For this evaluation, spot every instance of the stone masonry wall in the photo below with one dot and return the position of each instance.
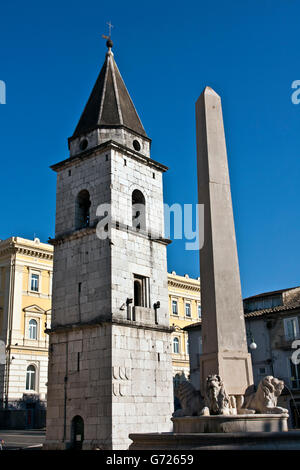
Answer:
(85, 261)
(92, 175)
(142, 399)
(122, 384)
(117, 376)
(88, 387)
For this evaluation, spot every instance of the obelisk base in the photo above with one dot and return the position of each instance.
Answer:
(234, 367)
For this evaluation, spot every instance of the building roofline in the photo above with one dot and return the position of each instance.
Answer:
(26, 247)
(274, 292)
(183, 282)
(193, 326)
(272, 310)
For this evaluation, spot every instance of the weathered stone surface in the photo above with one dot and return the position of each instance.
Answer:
(109, 369)
(191, 401)
(223, 327)
(264, 400)
(231, 424)
(217, 400)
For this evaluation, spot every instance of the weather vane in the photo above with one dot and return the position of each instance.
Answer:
(110, 26)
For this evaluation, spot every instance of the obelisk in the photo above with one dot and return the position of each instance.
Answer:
(224, 342)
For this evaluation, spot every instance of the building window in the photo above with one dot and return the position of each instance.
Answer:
(34, 282)
(295, 375)
(141, 291)
(291, 328)
(187, 347)
(188, 309)
(32, 329)
(262, 370)
(175, 345)
(82, 210)
(174, 307)
(138, 210)
(30, 378)
(199, 311)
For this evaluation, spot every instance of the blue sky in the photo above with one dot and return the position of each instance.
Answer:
(167, 52)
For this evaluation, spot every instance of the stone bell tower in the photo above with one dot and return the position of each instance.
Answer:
(110, 371)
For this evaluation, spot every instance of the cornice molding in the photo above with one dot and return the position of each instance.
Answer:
(34, 309)
(79, 233)
(183, 285)
(103, 322)
(108, 145)
(13, 248)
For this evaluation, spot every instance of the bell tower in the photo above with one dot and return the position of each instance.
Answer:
(110, 371)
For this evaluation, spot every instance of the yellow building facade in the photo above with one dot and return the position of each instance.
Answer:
(184, 309)
(25, 313)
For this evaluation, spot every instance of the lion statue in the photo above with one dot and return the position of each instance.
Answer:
(190, 399)
(217, 400)
(264, 400)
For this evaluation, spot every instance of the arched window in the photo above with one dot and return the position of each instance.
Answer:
(77, 432)
(82, 210)
(30, 378)
(175, 345)
(32, 329)
(138, 210)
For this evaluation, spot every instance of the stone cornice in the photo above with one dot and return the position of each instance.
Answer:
(75, 234)
(34, 253)
(71, 235)
(110, 144)
(35, 309)
(102, 126)
(19, 349)
(115, 321)
(186, 285)
(15, 248)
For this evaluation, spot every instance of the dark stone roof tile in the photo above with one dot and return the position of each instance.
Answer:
(109, 103)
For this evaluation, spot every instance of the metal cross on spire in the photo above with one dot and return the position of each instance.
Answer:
(110, 26)
(109, 42)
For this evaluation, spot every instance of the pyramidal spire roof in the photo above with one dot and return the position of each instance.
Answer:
(109, 104)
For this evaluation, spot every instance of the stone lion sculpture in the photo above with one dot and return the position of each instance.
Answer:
(264, 400)
(190, 399)
(217, 400)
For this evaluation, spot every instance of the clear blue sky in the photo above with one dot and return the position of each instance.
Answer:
(50, 55)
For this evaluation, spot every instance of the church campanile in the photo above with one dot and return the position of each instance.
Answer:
(110, 371)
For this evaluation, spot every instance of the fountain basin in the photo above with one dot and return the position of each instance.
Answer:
(231, 423)
(216, 441)
(243, 432)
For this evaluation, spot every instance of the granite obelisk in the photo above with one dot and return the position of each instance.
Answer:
(224, 342)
